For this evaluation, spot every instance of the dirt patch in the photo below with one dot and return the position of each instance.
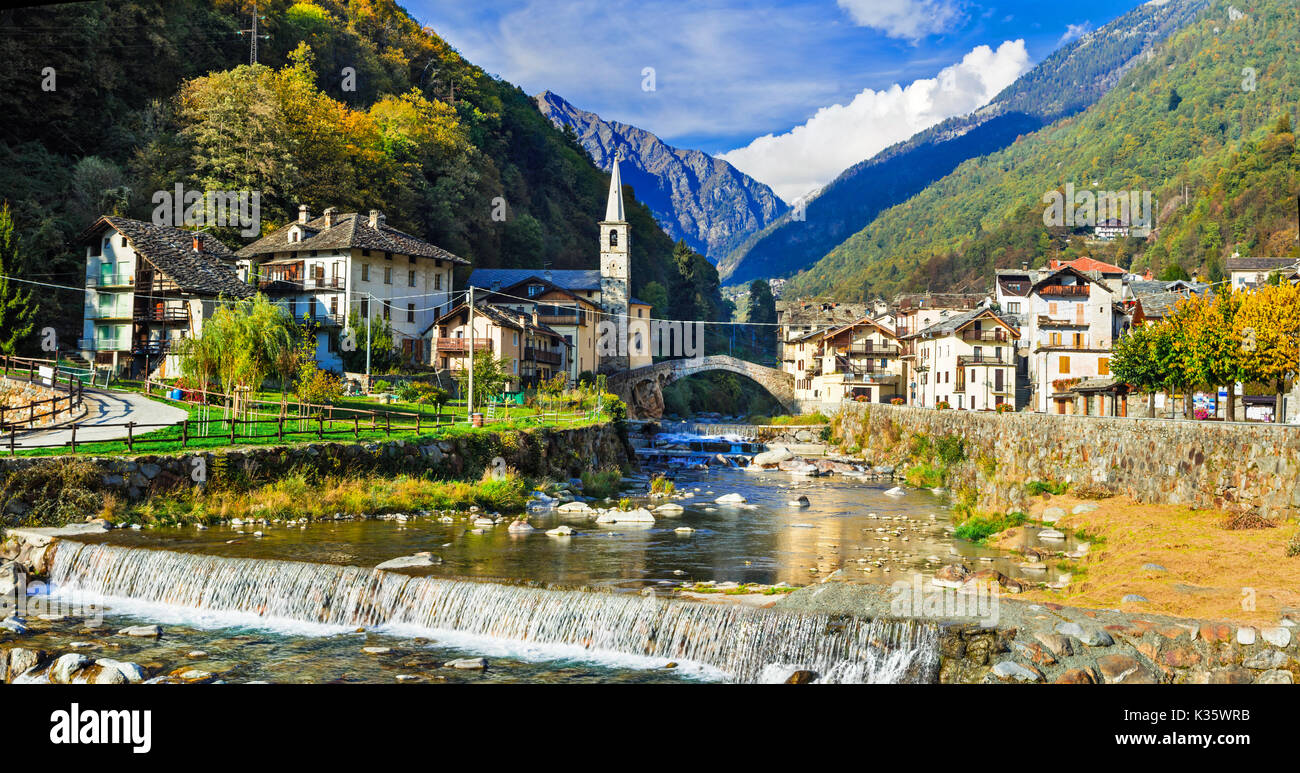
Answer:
(1182, 560)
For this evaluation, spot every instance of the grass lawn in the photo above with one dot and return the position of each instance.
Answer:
(350, 422)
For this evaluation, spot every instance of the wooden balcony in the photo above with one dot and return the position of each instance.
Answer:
(985, 335)
(1076, 291)
(454, 345)
(542, 355)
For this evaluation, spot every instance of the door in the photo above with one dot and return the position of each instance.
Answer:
(997, 379)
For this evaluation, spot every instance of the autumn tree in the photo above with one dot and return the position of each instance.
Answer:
(1268, 334)
(1213, 353)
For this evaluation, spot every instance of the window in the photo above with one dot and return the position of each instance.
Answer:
(1013, 307)
(1103, 366)
(388, 275)
(516, 339)
(1063, 365)
(388, 310)
(365, 272)
(535, 290)
(334, 304)
(437, 281)
(410, 279)
(365, 308)
(613, 238)
(410, 312)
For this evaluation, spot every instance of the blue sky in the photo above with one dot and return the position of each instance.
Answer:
(786, 90)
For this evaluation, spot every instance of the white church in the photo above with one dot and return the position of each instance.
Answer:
(572, 303)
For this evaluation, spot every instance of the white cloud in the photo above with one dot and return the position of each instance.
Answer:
(812, 154)
(1073, 31)
(907, 19)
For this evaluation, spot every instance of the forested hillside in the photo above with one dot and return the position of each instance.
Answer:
(1192, 117)
(1067, 81)
(151, 93)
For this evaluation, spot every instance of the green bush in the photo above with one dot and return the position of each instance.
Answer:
(602, 483)
(978, 528)
(1036, 487)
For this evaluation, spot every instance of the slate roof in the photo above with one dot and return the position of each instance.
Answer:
(171, 251)
(952, 324)
(351, 230)
(570, 280)
(1259, 264)
(501, 316)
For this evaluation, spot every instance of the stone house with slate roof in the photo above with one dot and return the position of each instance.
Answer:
(324, 269)
(1248, 273)
(147, 287)
(967, 360)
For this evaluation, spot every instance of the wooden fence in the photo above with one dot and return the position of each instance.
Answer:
(29, 370)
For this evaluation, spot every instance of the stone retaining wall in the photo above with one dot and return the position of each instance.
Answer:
(542, 452)
(1204, 464)
(15, 394)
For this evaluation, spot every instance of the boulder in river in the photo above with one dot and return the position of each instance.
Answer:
(141, 631)
(669, 508)
(770, 458)
(639, 515)
(895, 492)
(951, 576)
(424, 558)
(730, 499)
(520, 527)
(802, 501)
(467, 664)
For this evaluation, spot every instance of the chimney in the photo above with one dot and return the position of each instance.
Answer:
(303, 214)
(376, 219)
(536, 321)
(1024, 265)
(198, 242)
(547, 276)
(329, 217)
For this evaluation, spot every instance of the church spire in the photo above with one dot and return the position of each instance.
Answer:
(614, 209)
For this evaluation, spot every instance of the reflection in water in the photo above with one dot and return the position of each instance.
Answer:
(850, 524)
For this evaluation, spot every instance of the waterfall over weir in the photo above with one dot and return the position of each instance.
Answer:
(745, 644)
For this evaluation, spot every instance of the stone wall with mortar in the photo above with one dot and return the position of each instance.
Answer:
(1233, 467)
(16, 395)
(542, 452)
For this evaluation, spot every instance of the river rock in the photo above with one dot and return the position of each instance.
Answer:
(1051, 535)
(1086, 507)
(1276, 635)
(14, 626)
(951, 576)
(467, 664)
(574, 507)
(895, 492)
(22, 660)
(132, 673)
(1245, 635)
(1053, 514)
(1011, 670)
(797, 467)
(520, 527)
(802, 501)
(1275, 677)
(770, 458)
(410, 562)
(639, 515)
(65, 667)
(669, 508)
(142, 631)
(730, 499)
(560, 531)
(802, 676)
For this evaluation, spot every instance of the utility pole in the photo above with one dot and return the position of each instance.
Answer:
(253, 36)
(469, 398)
(370, 301)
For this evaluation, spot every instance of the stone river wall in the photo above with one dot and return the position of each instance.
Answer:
(542, 452)
(1234, 467)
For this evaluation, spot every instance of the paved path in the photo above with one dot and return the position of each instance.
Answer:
(113, 408)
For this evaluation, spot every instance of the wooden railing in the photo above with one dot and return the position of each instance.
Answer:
(27, 369)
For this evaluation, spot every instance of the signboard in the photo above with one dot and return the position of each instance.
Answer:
(47, 375)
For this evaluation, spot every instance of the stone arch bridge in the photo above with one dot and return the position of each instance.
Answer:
(642, 388)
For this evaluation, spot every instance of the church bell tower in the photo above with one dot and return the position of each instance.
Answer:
(615, 249)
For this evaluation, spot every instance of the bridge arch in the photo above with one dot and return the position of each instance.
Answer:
(642, 388)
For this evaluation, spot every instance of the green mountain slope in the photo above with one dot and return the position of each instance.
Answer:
(151, 93)
(1183, 119)
(1067, 81)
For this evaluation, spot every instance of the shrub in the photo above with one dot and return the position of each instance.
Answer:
(381, 386)
(1005, 408)
(950, 449)
(1293, 546)
(979, 528)
(942, 405)
(602, 483)
(660, 484)
(897, 401)
(1036, 487)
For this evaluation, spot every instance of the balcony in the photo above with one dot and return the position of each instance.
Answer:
(453, 345)
(983, 359)
(158, 346)
(1045, 321)
(107, 314)
(1076, 291)
(119, 279)
(999, 336)
(101, 345)
(543, 356)
(561, 319)
(871, 350)
(324, 319)
(165, 315)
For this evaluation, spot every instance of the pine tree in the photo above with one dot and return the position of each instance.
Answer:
(16, 309)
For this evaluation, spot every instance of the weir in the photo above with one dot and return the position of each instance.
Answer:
(745, 644)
